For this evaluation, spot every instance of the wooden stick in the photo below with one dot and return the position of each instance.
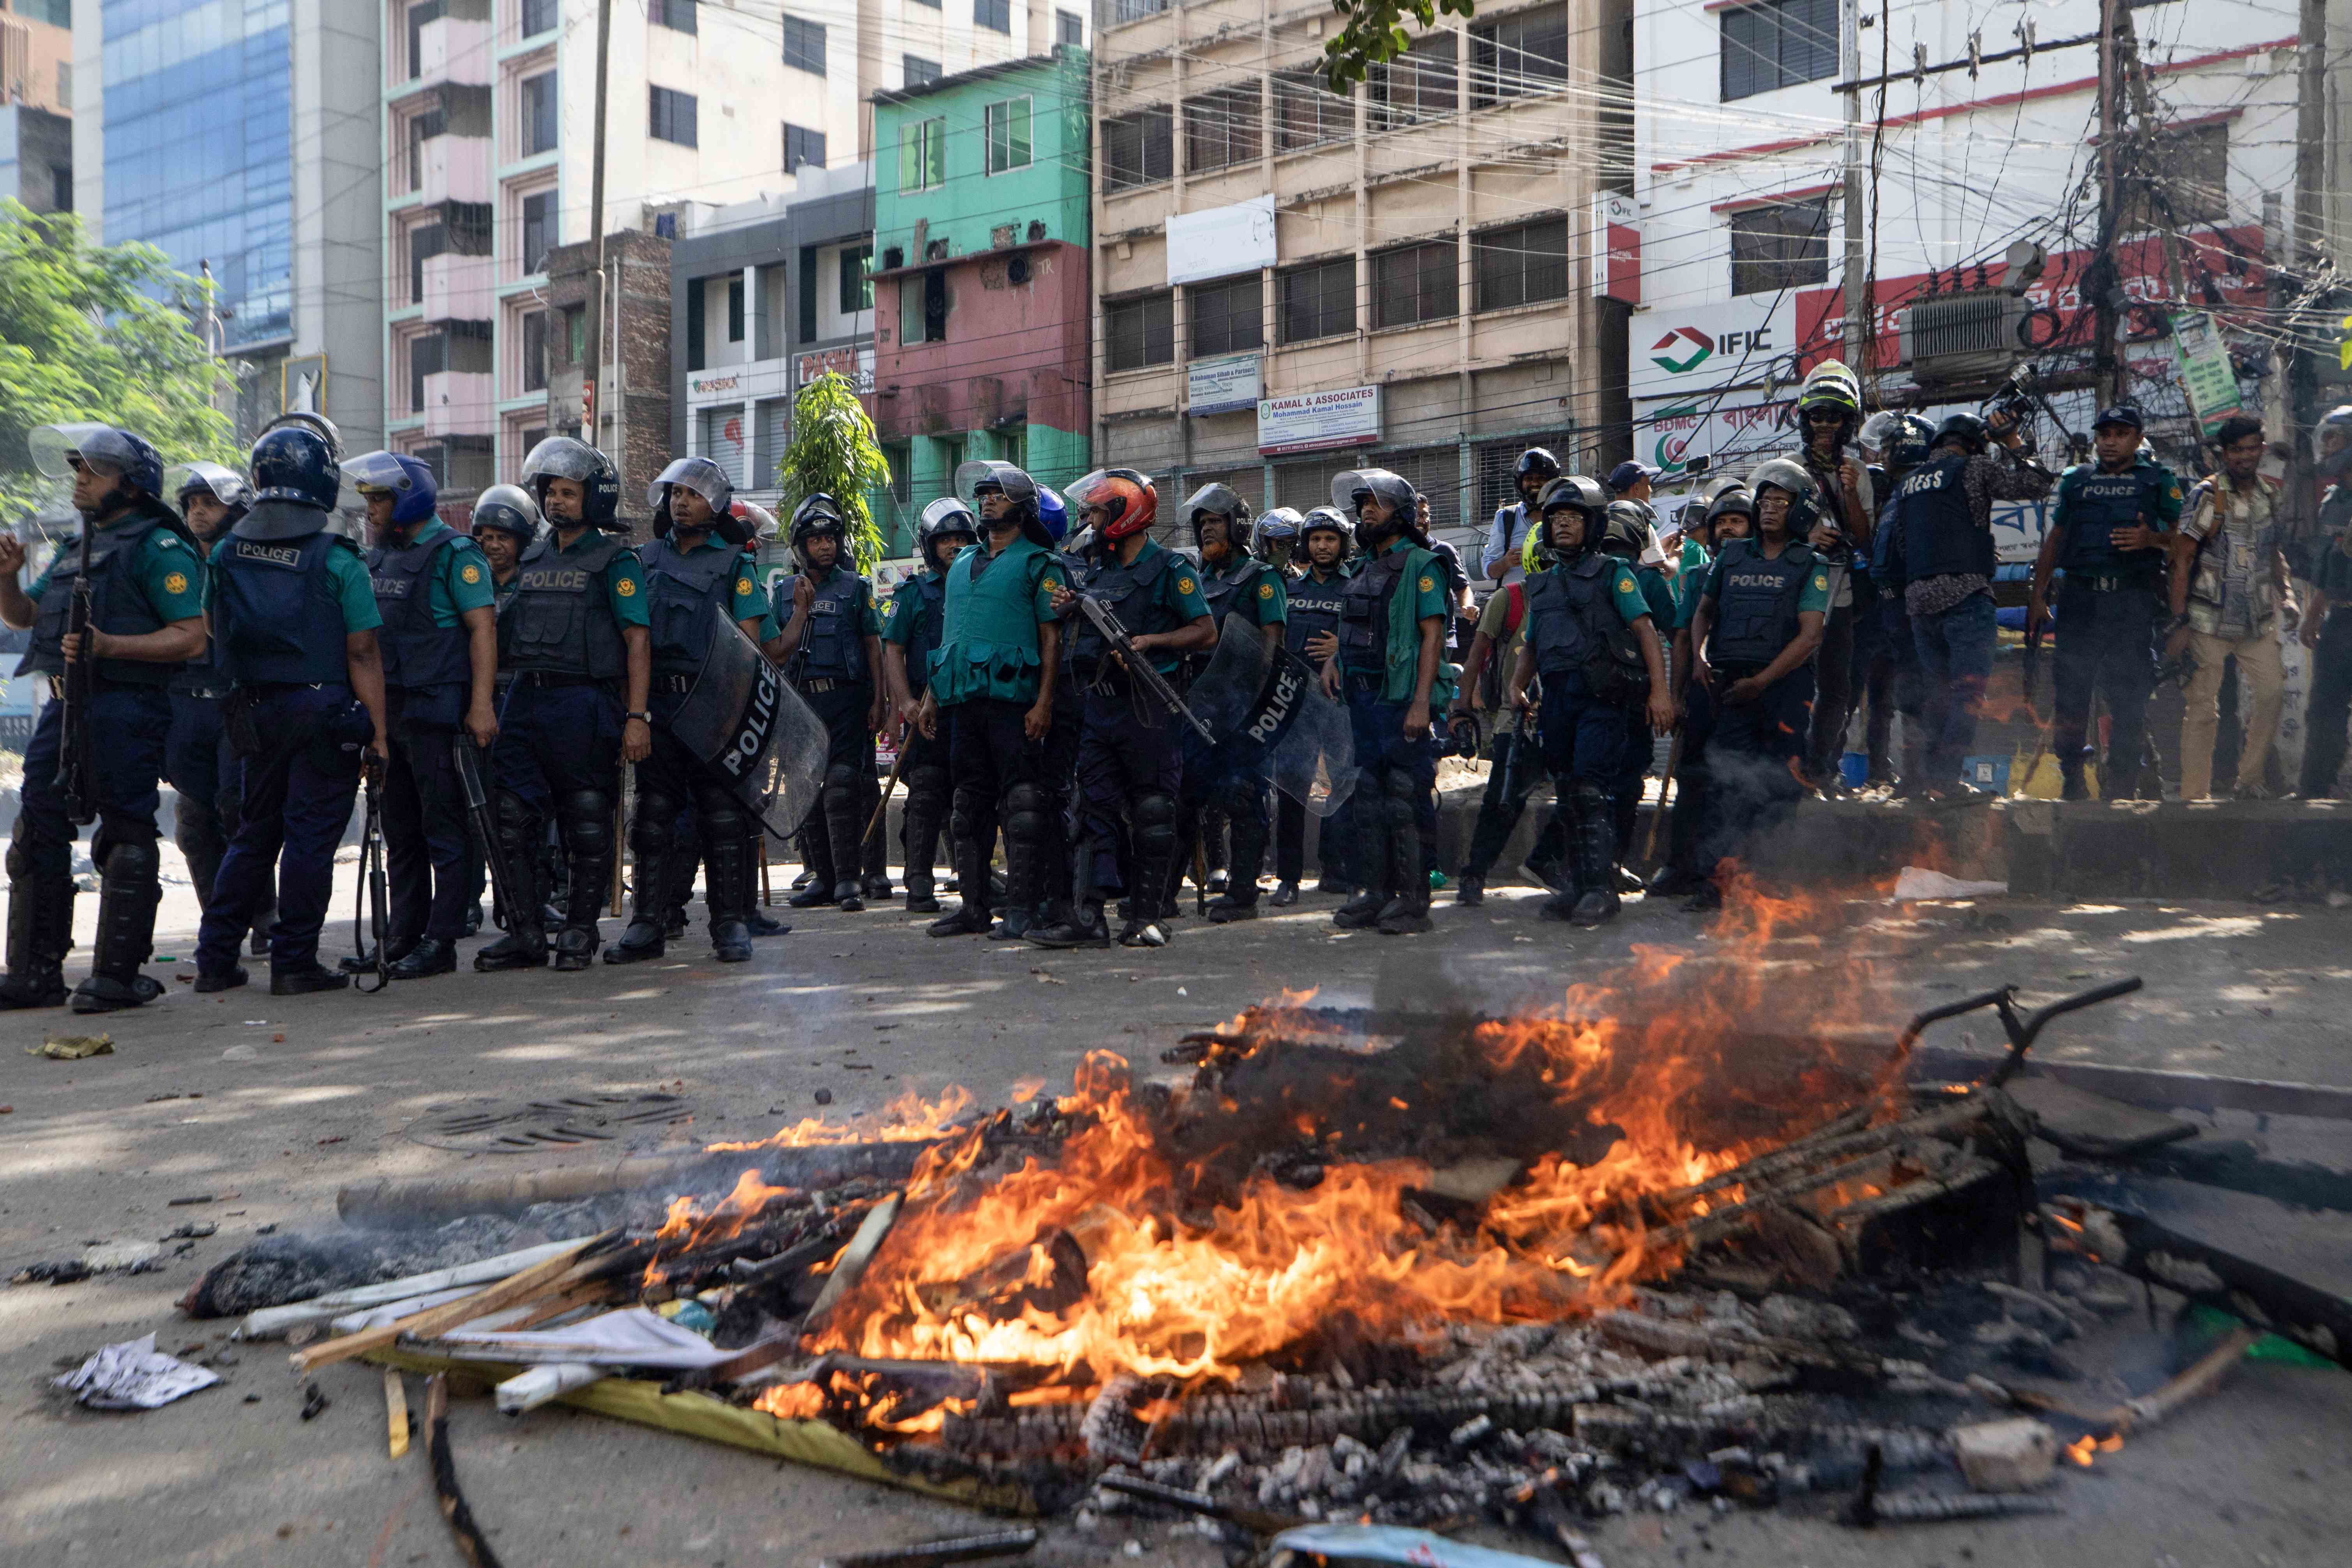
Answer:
(476, 1550)
(396, 1411)
(271, 1322)
(766, 895)
(854, 1259)
(529, 1284)
(1658, 817)
(2151, 1408)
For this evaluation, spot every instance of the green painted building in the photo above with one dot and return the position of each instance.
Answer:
(982, 293)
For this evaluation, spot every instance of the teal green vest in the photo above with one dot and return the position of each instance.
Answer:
(988, 647)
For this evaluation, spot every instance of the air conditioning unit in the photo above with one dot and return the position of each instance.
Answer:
(1963, 337)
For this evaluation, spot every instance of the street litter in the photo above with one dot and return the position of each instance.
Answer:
(133, 1375)
(1914, 882)
(72, 1047)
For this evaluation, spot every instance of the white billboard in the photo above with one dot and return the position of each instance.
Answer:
(1222, 241)
(1318, 421)
(1679, 352)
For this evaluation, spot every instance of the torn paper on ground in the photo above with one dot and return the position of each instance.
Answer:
(134, 1377)
(1918, 882)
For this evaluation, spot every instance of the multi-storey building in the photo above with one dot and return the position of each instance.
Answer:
(36, 105)
(983, 292)
(1291, 280)
(224, 132)
(1741, 203)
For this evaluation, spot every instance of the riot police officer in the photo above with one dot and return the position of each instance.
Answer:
(1753, 638)
(1506, 536)
(1728, 517)
(1130, 765)
(294, 616)
(913, 624)
(196, 758)
(1392, 671)
(1891, 675)
(697, 576)
(1628, 536)
(505, 525)
(2108, 534)
(439, 644)
(145, 620)
(1573, 610)
(1230, 776)
(992, 686)
(833, 635)
(1314, 599)
(575, 635)
(1275, 541)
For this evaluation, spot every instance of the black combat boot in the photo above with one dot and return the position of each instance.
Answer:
(971, 917)
(128, 892)
(727, 855)
(525, 945)
(1370, 853)
(1594, 846)
(1407, 912)
(651, 890)
(816, 853)
(40, 923)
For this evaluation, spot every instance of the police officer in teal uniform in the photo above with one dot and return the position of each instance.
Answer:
(1130, 765)
(1231, 777)
(1627, 535)
(294, 616)
(1391, 673)
(2108, 534)
(439, 641)
(196, 758)
(1314, 597)
(575, 635)
(914, 625)
(991, 693)
(697, 576)
(833, 655)
(146, 621)
(1728, 517)
(1753, 638)
(1573, 608)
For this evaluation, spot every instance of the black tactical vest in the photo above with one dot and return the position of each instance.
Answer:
(1131, 591)
(1364, 611)
(1940, 536)
(833, 646)
(560, 621)
(926, 599)
(1756, 613)
(418, 654)
(1315, 606)
(277, 615)
(117, 605)
(686, 598)
(1565, 607)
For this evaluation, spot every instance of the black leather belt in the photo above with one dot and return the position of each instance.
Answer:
(810, 688)
(679, 685)
(1364, 679)
(552, 678)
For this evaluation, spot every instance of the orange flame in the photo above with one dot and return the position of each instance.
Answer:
(909, 1119)
(2081, 1449)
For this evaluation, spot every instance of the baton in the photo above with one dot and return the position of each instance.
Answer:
(1658, 817)
(622, 815)
(378, 893)
(477, 808)
(883, 805)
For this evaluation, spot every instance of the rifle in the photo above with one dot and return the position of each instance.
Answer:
(76, 761)
(477, 811)
(1107, 627)
(377, 892)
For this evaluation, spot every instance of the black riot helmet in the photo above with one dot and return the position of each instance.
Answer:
(1351, 488)
(1221, 501)
(820, 514)
(1908, 444)
(1803, 491)
(984, 477)
(1277, 530)
(708, 481)
(1626, 530)
(946, 518)
(223, 483)
(507, 508)
(1735, 502)
(1535, 463)
(1967, 430)
(293, 462)
(1572, 492)
(568, 458)
(1332, 519)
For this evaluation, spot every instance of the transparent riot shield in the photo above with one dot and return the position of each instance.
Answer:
(1263, 696)
(743, 720)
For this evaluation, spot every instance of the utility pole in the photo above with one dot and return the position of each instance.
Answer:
(2176, 279)
(2310, 251)
(1860, 311)
(2106, 366)
(595, 368)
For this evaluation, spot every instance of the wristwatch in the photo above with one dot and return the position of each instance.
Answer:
(646, 716)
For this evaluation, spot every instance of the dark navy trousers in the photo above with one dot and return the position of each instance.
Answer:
(295, 801)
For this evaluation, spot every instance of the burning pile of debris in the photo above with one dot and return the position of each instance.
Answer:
(1644, 1253)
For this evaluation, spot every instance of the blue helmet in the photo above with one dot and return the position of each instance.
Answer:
(1053, 511)
(294, 463)
(59, 449)
(409, 480)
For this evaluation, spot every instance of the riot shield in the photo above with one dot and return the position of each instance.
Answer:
(1253, 694)
(746, 723)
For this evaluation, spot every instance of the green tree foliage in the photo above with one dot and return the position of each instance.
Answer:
(833, 452)
(97, 332)
(1374, 33)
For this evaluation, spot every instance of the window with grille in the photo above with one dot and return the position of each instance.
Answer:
(1435, 472)
(1138, 148)
(1518, 55)
(1520, 265)
(803, 145)
(422, 128)
(1318, 300)
(1414, 284)
(1415, 86)
(427, 355)
(538, 17)
(1781, 244)
(804, 44)
(1225, 317)
(1135, 10)
(1303, 487)
(1778, 44)
(1007, 130)
(1307, 114)
(923, 154)
(537, 113)
(1070, 30)
(670, 116)
(1222, 129)
(538, 231)
(678, 15)
(996, 16)
(534, 351)
(914, 70)
(1140, 331)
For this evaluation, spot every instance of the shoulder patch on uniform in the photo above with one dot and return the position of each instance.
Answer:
(1266, 590)
(469, 574)
(175, 583)
(627, 587)
(1186, 585)
(1819, 580)
(1428, 584)
(1625, 585)
(745, 586)
(889, 609)
(1051, 583)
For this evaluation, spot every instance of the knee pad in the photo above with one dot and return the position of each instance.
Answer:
(22, 858)
(656, 828)
(840, 776)
(196, 829)
(1591, 799)
(930, 782)
(587, 818)
(723, 817)
(131, 862)
(1155, 821)
(1401, 795)
(1028, 809)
